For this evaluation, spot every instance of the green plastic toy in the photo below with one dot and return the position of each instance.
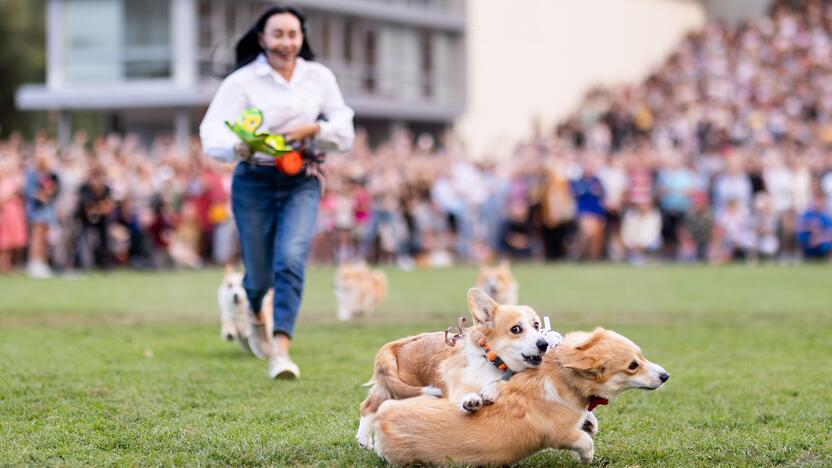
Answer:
(246, 127)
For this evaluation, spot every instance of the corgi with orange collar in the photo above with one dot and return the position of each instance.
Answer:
(504, 340)
(547, 407)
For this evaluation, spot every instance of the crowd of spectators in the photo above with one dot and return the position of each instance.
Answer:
(723, 153)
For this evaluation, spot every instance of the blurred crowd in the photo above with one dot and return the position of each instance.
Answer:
(723, 153)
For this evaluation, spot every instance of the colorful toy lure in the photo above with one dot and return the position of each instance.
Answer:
(287, 159)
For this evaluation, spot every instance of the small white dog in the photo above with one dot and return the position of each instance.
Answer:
(234, 309)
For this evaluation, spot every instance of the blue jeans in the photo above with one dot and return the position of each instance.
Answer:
(275, 216)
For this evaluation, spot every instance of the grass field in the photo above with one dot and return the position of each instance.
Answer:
(128, 368)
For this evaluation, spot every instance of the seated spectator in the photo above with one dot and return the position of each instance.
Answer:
(814, 230)
(765, 221)
(697, 227)
(733, 234)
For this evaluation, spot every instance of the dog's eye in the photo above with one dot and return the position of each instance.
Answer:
(536, 326)
(633, 365)
(516, 330)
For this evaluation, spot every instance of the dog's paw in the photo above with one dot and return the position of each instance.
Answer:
(590, 425)
(472, 403)
(489, 393)
(585, 449)
(365, 443)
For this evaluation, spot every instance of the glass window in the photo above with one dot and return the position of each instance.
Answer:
(147, 41)
(92, 41)
(114, 40)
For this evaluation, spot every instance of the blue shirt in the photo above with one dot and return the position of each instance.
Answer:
(589, 195)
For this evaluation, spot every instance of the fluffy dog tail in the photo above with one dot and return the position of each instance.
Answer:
(386, 379)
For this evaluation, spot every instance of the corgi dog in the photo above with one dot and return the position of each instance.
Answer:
(498, 282)
(546, 407)
(358, 289)
(234, 309)
(505, 339)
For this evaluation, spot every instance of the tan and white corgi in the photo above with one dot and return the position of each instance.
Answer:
(547, 407)
(498, 282)
(358, 289)
(505, 339)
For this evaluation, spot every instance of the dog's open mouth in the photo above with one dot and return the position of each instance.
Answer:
(534, 360)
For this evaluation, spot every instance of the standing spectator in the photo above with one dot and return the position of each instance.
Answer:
(12, 215)
(614, 179)
(558, 211)
(95, 205)
(41, 189)
(675, 184)
(732, 186)
(698, 225)
(589, 197)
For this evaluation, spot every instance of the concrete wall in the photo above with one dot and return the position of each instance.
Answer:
(530, 58)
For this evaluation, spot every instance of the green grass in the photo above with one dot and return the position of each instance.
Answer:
(128, 368)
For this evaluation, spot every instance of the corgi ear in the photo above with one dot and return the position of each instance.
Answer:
(481, 307)
(581, 363)
(593, 338)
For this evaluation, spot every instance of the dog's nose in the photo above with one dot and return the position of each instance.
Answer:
(229, 337)
(664, 376)
(235, 298)
(542, 345)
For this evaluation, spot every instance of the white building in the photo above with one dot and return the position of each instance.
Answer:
(150, 66)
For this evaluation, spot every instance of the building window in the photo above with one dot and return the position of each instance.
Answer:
(114, 40)
(370, 68)
(426, 63)
(147, 41)
(349, 26)
(92, 53)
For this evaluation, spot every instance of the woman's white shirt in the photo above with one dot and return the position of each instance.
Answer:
(311, 92)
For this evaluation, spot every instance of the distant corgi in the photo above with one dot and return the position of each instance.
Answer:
(234, 309)
(358, 289)
(498, 282)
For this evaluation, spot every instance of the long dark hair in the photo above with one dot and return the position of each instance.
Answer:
(248, 47)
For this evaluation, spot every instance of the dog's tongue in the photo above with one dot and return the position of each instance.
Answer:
(596, 401)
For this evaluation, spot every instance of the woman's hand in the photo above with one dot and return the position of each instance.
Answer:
(303, 132)
(243, 150)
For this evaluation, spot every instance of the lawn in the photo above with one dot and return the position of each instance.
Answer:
(128, 368)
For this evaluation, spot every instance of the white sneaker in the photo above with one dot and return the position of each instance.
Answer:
(38, 270)
(282, 367)
(259, 339)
